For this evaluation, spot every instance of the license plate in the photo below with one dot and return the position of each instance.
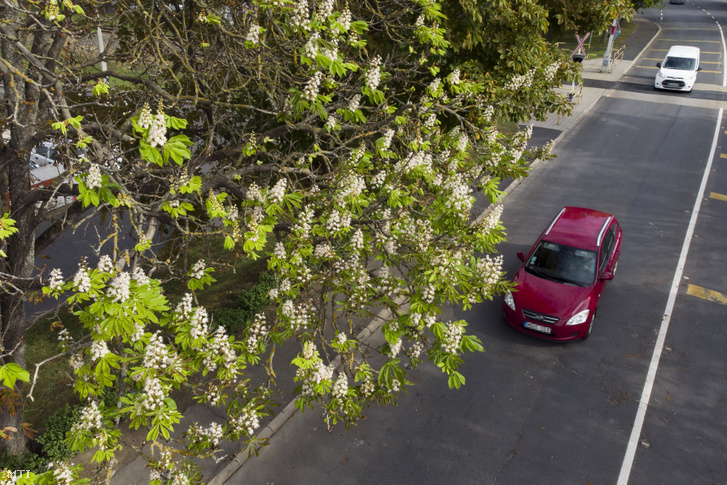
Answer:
(537, 328)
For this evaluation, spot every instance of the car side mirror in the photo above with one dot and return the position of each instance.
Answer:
(521, 256)
(699, 68)
(607, 275)
(658, 64)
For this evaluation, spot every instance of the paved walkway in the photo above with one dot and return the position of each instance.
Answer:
(132, 468)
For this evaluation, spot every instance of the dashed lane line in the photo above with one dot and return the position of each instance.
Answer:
(715, 195)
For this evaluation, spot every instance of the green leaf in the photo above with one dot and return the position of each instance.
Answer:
(9, 373)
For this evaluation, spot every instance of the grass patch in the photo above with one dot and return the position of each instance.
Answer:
(596, 44)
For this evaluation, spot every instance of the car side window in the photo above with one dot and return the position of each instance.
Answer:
(607, 247)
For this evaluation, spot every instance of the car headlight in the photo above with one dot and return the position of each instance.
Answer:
(510, 301)
(578, 318)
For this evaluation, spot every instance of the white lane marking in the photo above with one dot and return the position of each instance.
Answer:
(623, 477)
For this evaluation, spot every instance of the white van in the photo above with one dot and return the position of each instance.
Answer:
(678, 71)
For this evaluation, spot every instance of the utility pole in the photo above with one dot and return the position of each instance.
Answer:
(607, 56)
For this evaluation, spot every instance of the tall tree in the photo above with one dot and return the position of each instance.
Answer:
(334, 139)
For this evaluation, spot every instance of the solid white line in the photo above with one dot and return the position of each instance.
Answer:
(623, 477)
(724, 53)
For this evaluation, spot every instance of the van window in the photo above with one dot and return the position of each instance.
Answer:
(681, 63)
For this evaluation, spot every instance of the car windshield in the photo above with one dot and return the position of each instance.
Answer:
(681, 63)
(562, 263)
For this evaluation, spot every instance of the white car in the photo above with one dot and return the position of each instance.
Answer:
(678, 71)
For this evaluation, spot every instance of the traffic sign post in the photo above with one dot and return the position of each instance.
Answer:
(611, 37)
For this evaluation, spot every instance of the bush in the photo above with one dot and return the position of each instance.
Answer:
(249, 303)
(53, 438)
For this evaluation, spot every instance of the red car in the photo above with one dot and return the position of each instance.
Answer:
(559, 284)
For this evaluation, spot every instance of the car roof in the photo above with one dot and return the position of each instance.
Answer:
(683, 51)
(579, 227)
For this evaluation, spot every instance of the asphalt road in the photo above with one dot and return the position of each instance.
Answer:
(537, 412)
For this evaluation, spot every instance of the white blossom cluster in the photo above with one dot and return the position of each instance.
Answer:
(98, 349)
(378, 179)
(258, 331)
(198, 269)
(81, 280)
(395, 348)
(276, 194)
(309, 350)
(248, 421)
(158, 130)
(279, 251)
(550, 72)
(324, 251)
(301, 15)
(310, 92)
(341, 338)
(520, 81)
(62, 473)
(395, 385)
(491, 219)
(310, 49)
(213, 434)
(488, 113)
(325, 9)
(355, 102)
(119, 290)
(145, 117)
(452, 337)
(420, 21)
(303, 225)
(254, 194)
(454, 77)
(462, 142)
(105, 265)
(76, 361)
(198, 324)
(156, 355)
(415, 160)
(434, 86)
(459, 198)
(90, 419)
(352, 186)
(430, 122)
(373, 74)
(345, 18)
(340, 386)
(357, 240)
(56, 279)
(65, 338)
(331, 122)
(428, 293)
(184, 307)
(298, 316)
(94, 180)
(154, 396)
(388, 137)
(368, 387)
(338, 221)
(140, 277)
(253, 35)
(331, 53)
(415, 350)
(489, 270)
(220, 345)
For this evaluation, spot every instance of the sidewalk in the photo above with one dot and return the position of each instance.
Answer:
(132, 467)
